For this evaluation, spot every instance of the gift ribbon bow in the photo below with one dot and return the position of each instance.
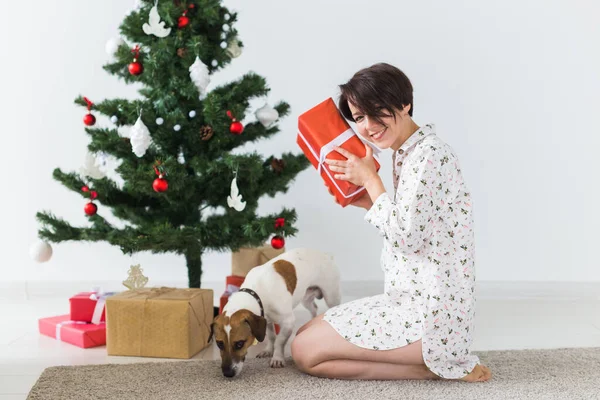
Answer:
(231, 289)
(61, 324)
(100, 297)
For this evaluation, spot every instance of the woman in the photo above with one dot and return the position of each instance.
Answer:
(421, 326)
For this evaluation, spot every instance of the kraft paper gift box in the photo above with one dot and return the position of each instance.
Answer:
(246, 258)
(159, 322)
(78, 333)
(89, 306)
(319, 130)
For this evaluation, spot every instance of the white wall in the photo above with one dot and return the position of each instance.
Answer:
(513, 86)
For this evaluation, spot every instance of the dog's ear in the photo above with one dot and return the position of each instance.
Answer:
(212, 329)
(258, 326)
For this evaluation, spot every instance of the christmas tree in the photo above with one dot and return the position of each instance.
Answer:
(182, 190)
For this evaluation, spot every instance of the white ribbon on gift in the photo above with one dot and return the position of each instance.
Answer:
(328, 148)
(61, 324)
(231, 289)
(100, 296)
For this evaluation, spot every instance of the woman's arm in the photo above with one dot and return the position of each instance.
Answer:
(422, 196)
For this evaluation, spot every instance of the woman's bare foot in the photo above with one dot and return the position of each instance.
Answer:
(480, 373)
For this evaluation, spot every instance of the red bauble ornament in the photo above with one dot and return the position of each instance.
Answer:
(89, 120)
(277, 242)
(90, 208)
(279, 223)
(183, 21)
(160, 184)
(136, 68)
(236, 128)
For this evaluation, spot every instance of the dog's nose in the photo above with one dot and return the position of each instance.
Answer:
(228, 372)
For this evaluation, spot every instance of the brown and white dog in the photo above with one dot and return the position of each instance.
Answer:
(268, 296)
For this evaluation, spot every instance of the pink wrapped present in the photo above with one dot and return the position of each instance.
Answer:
(78, 333)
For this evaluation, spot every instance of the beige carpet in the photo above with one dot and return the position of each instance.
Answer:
(526, 374)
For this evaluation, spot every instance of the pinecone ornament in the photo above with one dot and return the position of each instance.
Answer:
(181, 52)
(206, 132)
(277, 165)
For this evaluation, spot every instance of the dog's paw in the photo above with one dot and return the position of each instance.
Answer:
(276, 363)
(265, 354)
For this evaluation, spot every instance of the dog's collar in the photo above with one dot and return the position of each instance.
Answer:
(253, 294)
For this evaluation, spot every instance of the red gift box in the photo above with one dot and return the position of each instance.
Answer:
(319, 130)
(89, 306)
(82, 307)
(77, 333)
(233, 284)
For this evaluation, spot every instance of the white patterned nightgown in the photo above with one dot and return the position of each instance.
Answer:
(428, 261)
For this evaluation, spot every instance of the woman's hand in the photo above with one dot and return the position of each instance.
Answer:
(356, 170)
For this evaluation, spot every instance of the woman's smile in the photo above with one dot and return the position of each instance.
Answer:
(379, 134)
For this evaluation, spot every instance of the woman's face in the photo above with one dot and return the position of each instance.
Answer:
(382, 135)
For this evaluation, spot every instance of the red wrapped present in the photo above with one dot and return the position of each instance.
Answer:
(89, 306)
(232, 285)
(322, 128)
(78, 333)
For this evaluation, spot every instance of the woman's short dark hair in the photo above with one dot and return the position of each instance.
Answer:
(376, 91)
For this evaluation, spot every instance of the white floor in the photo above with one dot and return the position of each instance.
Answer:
(509, 316)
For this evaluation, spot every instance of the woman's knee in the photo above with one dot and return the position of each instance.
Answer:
(301, 352)
(310, 323)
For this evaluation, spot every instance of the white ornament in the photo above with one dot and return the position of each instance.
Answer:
(234, 200)
(177, 127)
(112, 45)
(91, 168)
(101, 160)
(159, 121)
(226, 16)
(266, 115)
(192, 114)
(181, 158)
(155, 26)
(234, 50)
(107, 164)
(140, 138)
(214, 63)
(223, 35)
(137, 4)
(223, 45)
(199, 75)
(114, 119)
(40, 251)
(226, 27)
